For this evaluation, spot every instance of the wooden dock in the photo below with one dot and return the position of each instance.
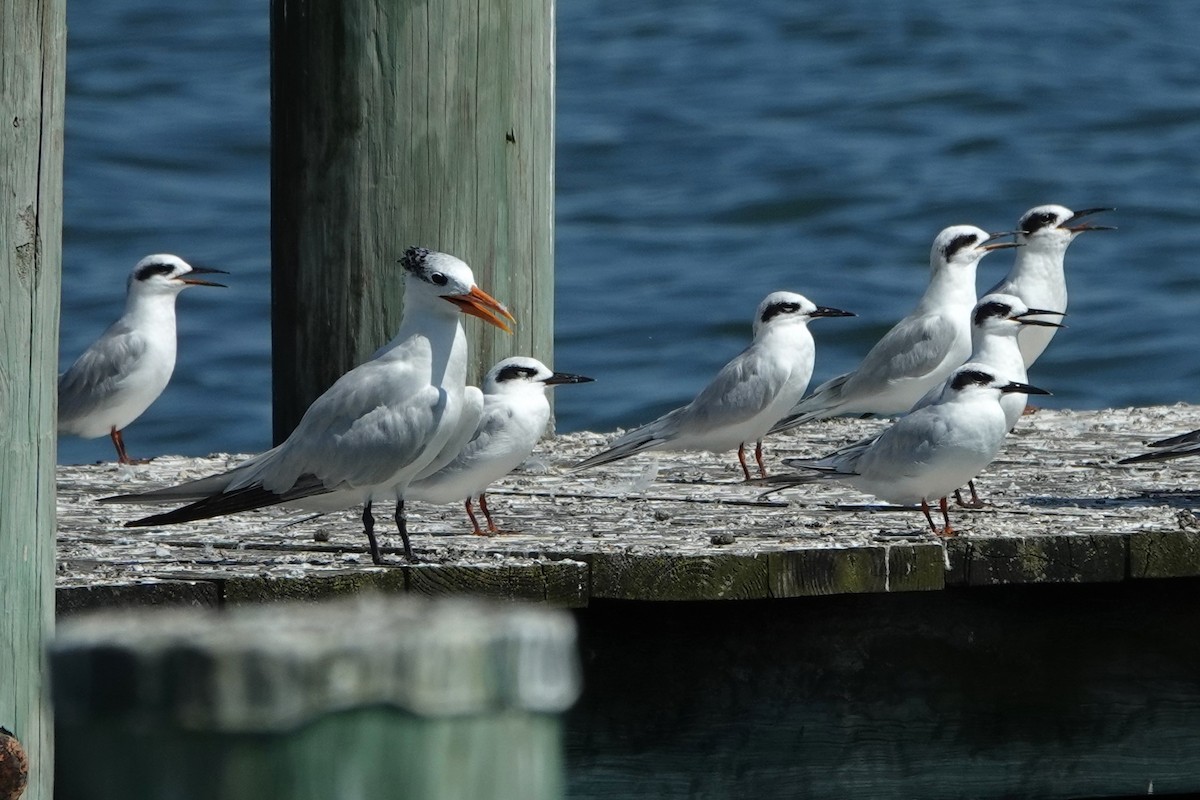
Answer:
(1062, 512)
(837, 648)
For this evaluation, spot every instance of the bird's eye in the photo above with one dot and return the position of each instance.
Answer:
(439, 279)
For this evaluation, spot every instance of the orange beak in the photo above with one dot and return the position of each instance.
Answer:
(479, 303)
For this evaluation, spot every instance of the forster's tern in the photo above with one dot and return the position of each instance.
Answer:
(996, 321)
(747, 397)
(919, 351)
(376, 429)
(515, 413)
(924, 455)
(1186, 444)
(127, 368)
(1037, 275)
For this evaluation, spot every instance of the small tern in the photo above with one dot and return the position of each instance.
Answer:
(748, 395)
(515, 414)
(1037, 275)
(1186, 444)
(996, 321)
(926, 454)
(376, 429)
(919, 351)
(117, 378)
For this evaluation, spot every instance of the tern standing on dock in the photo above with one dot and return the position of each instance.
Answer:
(747, 397)
(924, 455)
(515, 414)
(117, 378)
(919, 351)
(376, 428)
(1037, 276)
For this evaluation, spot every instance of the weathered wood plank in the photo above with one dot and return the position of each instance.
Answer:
(32, 86)
(158, 593)
(428, 126)
(696, 532)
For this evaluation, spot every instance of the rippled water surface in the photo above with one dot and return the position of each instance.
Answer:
(708, 153)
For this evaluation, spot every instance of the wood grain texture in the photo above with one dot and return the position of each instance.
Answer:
(398, 124)
(32, 75)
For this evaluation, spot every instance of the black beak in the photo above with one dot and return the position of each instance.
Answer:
(1021, 388)
(826, 311)
(566, 377)
(186, 277)
(998, 245)
(1087, 212)
(1024, 318)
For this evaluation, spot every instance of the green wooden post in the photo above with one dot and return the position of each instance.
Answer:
(32, 70)
(364, 699)
(396, 124)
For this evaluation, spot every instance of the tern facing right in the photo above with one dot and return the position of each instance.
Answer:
(1037, 277)
(120, 374)
(924, 455)
(919, 351)
(515, 414)
(372, 432)
(748, 395)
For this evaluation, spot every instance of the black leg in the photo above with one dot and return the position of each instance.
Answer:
(402, 526)
(369, 528)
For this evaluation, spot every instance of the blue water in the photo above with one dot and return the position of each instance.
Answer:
(709, 152)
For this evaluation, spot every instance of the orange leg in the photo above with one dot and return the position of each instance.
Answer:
(974, 502)
(742, 460)
(925, 510)
(483, 507)
(947, 529)
(762, 469)
(478, 531)
(119, 443)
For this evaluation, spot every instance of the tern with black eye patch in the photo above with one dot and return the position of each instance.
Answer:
(747, 397)
(120, 374)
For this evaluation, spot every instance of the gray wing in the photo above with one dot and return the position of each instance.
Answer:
(913, 349)
(469, 422)
(95, 376)
(1186, 444)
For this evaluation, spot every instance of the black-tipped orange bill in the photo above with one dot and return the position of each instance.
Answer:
(188, 278)
(1086, 226)
(479, 303)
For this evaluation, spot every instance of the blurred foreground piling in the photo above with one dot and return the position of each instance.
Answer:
(361, 699)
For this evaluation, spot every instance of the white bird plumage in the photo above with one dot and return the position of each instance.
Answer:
(926, 454)
(1037, 276)
(124, 371)
(515, 412)
(377, 428)
(747, 396)
(919, 351)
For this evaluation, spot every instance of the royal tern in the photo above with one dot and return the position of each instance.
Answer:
(515, 414)
(1037, 275)
(127, 368)
(376, 428)
(928, 453)
(747, 397)
(1186, 444)
(919, 351)
(996, 321)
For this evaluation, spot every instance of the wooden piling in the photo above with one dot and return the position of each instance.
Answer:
(398, 124)
(369, 699)
(32, 72)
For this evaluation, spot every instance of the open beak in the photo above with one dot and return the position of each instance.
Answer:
(998, 245)
(1087, 212)
(188, 278)
(826, 311)
(1021, 388)
(1045, 323)
(479, 303)
(566, 377)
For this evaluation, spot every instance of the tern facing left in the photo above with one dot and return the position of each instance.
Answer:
(928, 453)
(376, 429)
(1181, 446)
(515, 414)
(747, 397)
(117, 378)
(1037, 276)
